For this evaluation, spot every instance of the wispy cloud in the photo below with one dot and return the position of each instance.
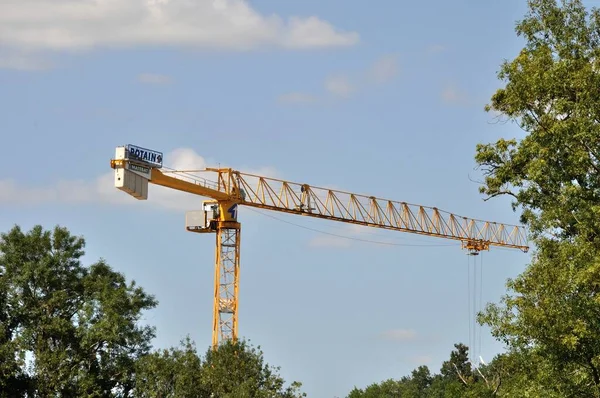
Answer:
(154, 78)
(227, 24)
(435, 49)
(339, 86)
(343, 85)
(384, 69)
(102, 189)
(421, 359)
(399, 335)
(296, 98)
(453, 95)
(23, 62)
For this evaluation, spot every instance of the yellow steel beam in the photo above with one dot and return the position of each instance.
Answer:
(195, 187)
(295, 198)
(226, 283)
(273, 194)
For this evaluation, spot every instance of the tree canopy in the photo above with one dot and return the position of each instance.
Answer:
(69, 330)
(551, 92)
(550, 315)
(235, 369)
(456, 379)
(79, 324)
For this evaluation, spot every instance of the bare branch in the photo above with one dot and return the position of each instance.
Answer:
(596, 157)
(484, 379)
(498, 386)
(475, 181)
(501, 193)
(460, 376)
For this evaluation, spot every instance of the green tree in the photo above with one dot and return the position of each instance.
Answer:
(457, 379)
(80, 324)
(233, 369)
(13, 381)
(551, 92)
(237, 369)
(458, 366)
(420, 380)
(526, 373)
(386, 389)
(555, 308)
(552, 174)
(171, 373)
(81, 327)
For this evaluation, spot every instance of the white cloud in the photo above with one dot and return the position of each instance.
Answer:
(435, 49)
(64, 191)
(25, 62)
(451, 94)
(314, 33)
(230, 24)
(421, 359)
(339, 86)
(297, 98)
(400, 335)
(384, 69)
(153, 78)
(102, 189)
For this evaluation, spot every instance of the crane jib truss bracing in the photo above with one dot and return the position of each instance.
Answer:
(135, 167)
(274, 194)
(227, 274)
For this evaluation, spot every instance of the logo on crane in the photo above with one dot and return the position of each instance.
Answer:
(140, 169)
(233, 211)
(143, 155)
(137, 167)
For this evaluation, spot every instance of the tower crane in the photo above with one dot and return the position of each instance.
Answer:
(135, 167)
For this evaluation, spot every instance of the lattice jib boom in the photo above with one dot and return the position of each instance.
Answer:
(290, 197)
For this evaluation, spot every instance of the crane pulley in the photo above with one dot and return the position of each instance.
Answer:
(135, 167)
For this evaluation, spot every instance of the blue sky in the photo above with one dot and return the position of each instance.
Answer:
(384, 99)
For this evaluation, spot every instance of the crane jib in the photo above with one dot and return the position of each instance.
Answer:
(228, 189)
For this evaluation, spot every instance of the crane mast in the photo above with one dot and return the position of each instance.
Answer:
(135, 167)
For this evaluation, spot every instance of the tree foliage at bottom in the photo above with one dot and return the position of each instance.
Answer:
(456, 379)
(69, 330)
(234, 369)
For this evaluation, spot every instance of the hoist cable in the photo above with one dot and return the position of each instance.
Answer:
(480, 297)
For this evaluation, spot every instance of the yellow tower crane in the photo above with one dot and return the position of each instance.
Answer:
(135, 167)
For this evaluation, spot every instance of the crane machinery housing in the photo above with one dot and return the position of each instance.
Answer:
(135, 167)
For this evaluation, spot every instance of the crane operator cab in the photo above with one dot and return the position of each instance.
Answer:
(207, 219)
